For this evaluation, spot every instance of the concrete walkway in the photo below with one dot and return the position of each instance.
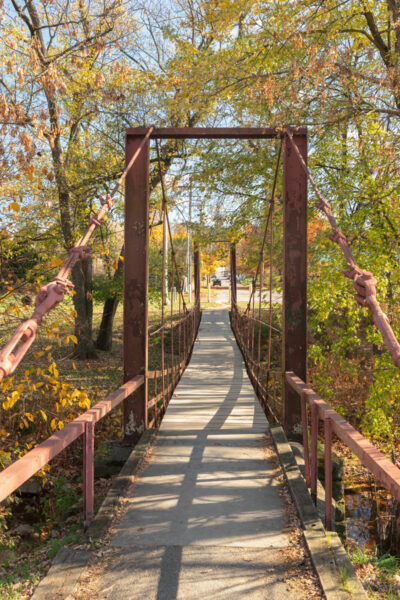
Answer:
(204, 519)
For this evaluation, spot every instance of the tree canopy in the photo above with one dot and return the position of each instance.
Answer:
(75, 75)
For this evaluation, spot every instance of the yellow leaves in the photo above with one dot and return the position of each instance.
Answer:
(74, 339)
(44, 416)
(56, 423)
(38, 354)
(14, 206)
(84, 401)
(156, 234)
(29, 416)
(56, 262)
(53, 370)
(11, 400)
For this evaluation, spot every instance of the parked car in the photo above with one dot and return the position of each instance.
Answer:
(216, 282)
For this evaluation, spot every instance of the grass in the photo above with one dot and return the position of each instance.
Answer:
(380, 575)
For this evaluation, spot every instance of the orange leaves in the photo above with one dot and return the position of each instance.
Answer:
(14, 206)
(20, 76)
(26, 140)
(99, 80)
(3, 106)
(315, 225)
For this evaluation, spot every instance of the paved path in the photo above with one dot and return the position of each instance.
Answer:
(204, 520)
(221, 295)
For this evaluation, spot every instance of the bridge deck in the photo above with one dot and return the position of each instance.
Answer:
(204, 519)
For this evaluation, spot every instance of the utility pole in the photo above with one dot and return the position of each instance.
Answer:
(165, 256)
(189, 246)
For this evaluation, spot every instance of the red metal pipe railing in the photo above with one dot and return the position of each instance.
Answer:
(172, 372)
(49, 296)
(22, 469)
(242, 324)
(380, 466)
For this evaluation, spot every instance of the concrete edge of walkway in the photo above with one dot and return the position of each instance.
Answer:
(70, 563)
(335, 572)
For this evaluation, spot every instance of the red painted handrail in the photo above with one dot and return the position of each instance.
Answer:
(372, 458)
(22, 469)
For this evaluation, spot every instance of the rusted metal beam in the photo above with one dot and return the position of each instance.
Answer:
(295, 280)
(136, 286)
(240, 133)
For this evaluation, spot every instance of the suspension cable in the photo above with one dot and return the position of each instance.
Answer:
(271, 206)
(271, 256)
(168, 223)
(364, 282)
(53, 292)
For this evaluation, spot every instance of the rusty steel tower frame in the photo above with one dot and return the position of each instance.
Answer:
(135, 338)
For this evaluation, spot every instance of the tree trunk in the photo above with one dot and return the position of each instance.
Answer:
(104, 338)
(81, 276)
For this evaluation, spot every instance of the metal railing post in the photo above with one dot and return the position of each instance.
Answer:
(314, 452)
(88, 473)
(328, 473)
(304, 422)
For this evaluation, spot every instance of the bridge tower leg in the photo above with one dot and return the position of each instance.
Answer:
(233, 275)
(136, 286)
(196, 263)
(295, 280)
